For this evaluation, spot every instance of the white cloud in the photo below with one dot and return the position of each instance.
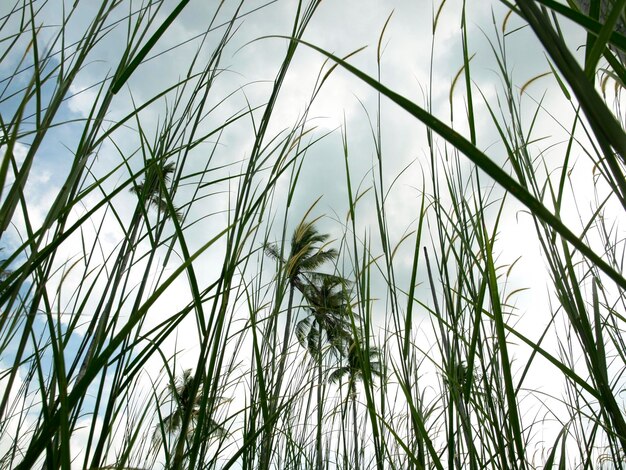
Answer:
(82, 99)
(405, 68)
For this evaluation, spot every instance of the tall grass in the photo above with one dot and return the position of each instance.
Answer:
(169, 301)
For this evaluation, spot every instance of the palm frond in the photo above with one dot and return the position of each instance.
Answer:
(338, 374)
(317, 259)
(302, 328)
(272, 250)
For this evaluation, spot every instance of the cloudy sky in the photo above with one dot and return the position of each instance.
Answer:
(416, 62)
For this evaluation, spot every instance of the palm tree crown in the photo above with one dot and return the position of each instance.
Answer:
(182, 400)
(150, 189)
(308, 251)
(328, 307)
(356, 363)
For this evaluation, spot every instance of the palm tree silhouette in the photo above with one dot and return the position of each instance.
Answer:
(358, 363)
(150, 193)
(183, 401)
(328, 310)
(150, 190)
(4, 273)
(308, 251)
(327, 324)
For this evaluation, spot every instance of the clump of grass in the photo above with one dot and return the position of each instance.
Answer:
(302, 340)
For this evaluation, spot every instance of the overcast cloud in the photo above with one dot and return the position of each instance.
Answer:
(344, 106)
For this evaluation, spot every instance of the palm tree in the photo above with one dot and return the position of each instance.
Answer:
(308, 252)
(183, 401)
(150, 194)
(357, 364)
(4, 273)
(326, 324)
(328, 310)
(150, 191)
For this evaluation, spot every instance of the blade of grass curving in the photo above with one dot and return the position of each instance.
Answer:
(122, 75)
(484, 163)
(413, 282)
(503, 349)
(10, 142)
(561, 436)
(418, 421)
(79, 389)
(600, 43)
(590, 24)
(607, 130)
(468, 82)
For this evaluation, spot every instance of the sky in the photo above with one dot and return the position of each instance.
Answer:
(412, 64)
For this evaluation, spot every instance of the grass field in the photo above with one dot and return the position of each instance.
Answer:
(232, 237)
